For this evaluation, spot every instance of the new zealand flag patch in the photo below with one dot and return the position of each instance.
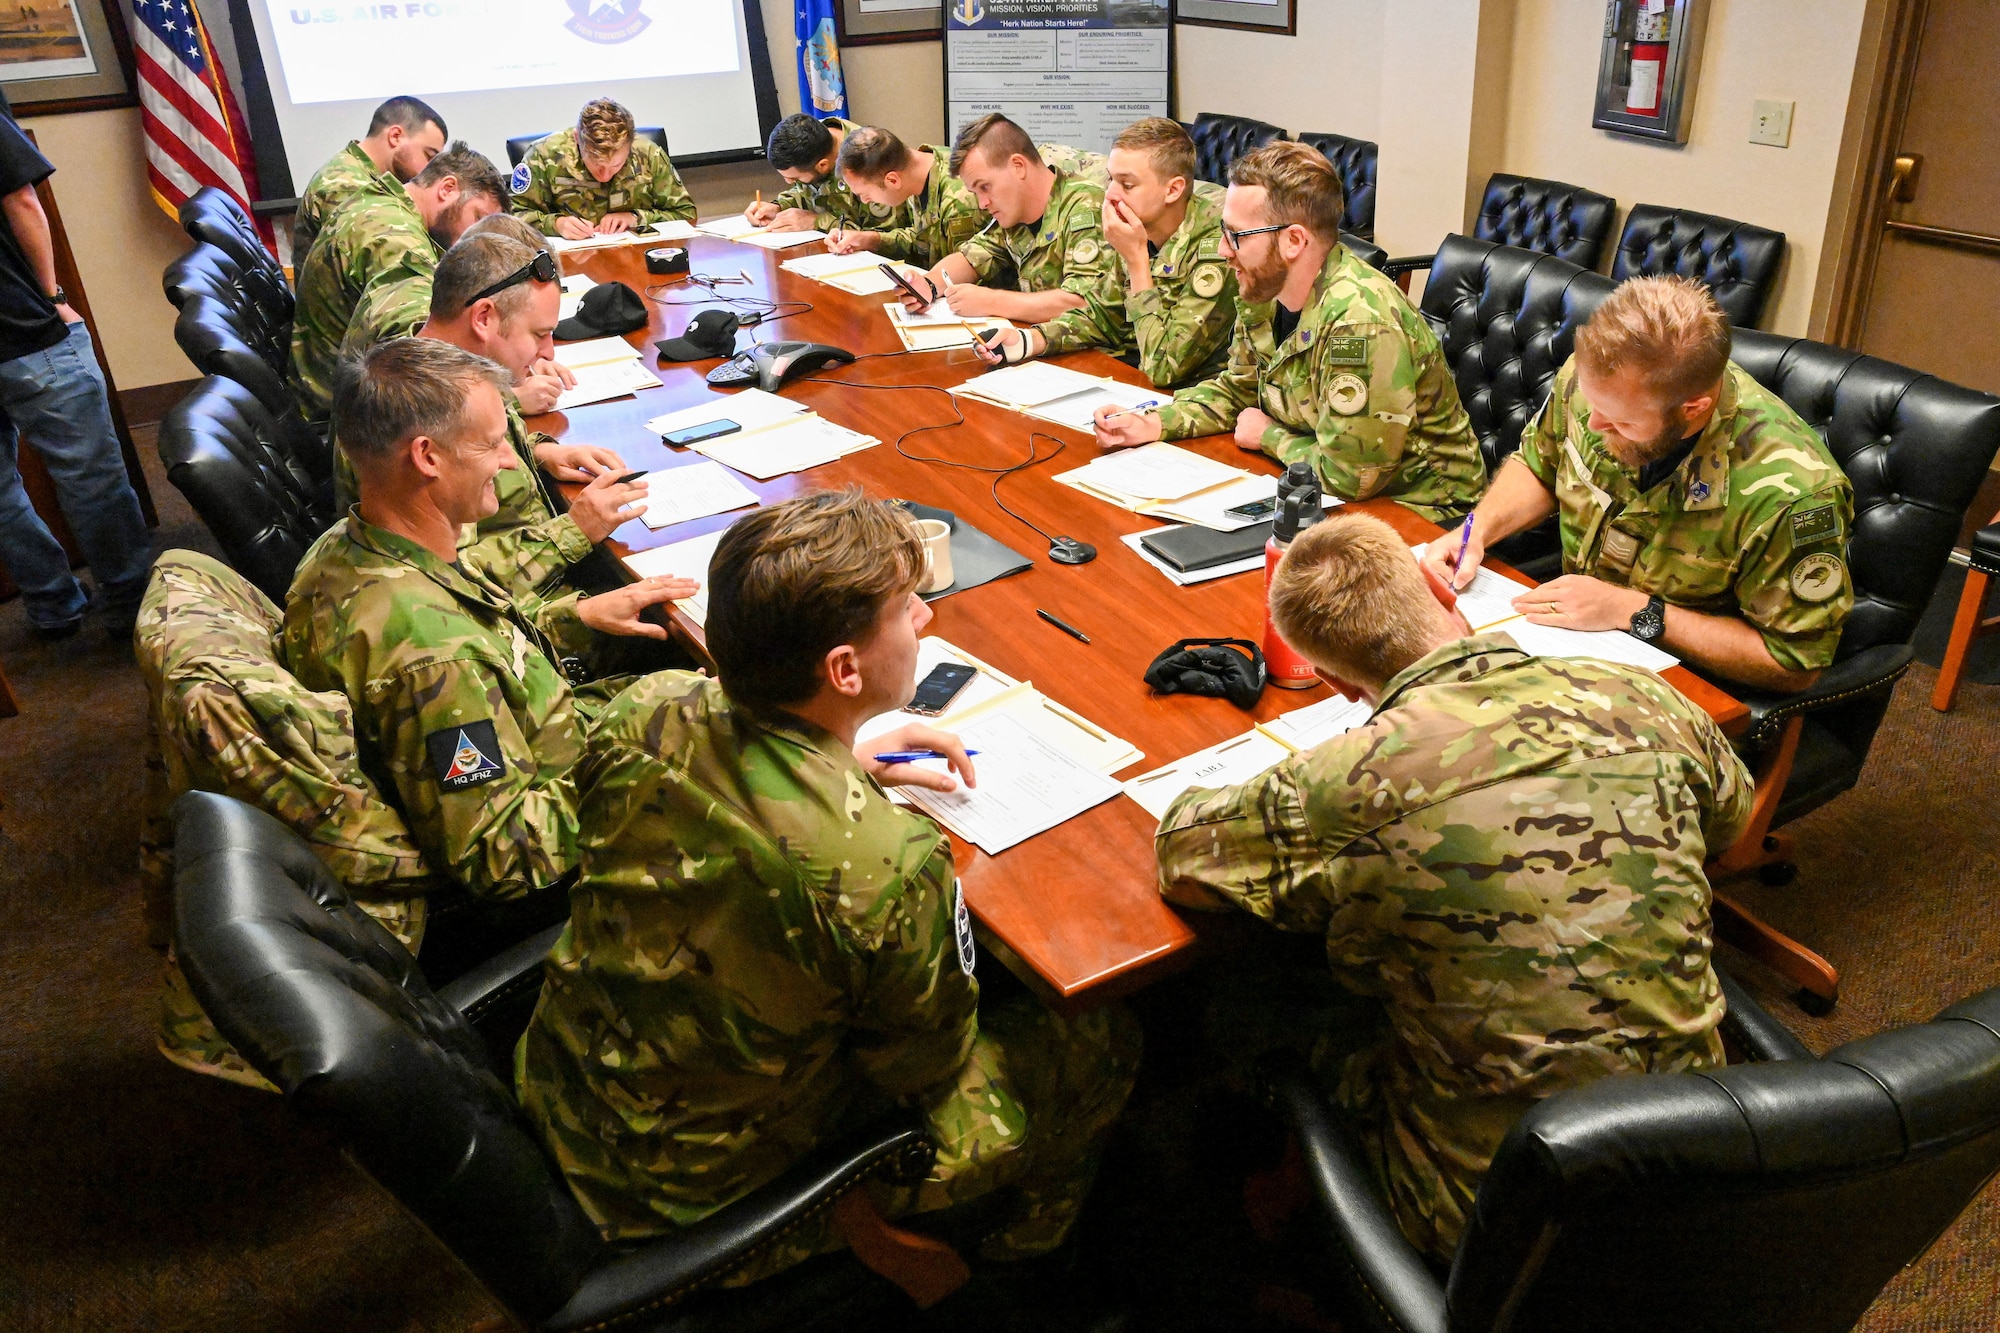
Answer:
(465, 755)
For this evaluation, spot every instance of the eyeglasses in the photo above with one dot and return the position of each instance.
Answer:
(542, 268)
(1235, 238)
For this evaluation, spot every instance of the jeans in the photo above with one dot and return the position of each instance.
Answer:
(57, 396)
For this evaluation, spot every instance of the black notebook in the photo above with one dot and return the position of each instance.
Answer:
(1190, 548)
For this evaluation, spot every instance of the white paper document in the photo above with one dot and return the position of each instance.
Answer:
(728, 228)
(1488, 605)
(688, 559)
(1303, 728)
(1152, 473)
(778, 240)
(608, 379)
(563, 245)
(751, 409)
(595, 352)
(808, 442)
(1025, 386)
(676, 230)
(694, 490)
(1026, 786)
(576, 284)
(1235, 760)
(1078, 411)
(932, 652)
(824, 266)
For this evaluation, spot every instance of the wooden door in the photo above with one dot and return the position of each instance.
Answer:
(1933, 298)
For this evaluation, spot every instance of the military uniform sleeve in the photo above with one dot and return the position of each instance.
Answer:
(798, 196)
(662, 197)
(917, 1018)
(1729, 790)
(1251, 846)
(395, 305)
(991, 263)
(528, 557)
(1177, 338)
(535, 204)
(506, 834)
(1212, 406)
(305, 228)
(1541, 440)
(1358, 454)
(1793, 583)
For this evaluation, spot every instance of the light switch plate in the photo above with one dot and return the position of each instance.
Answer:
(1771, 122)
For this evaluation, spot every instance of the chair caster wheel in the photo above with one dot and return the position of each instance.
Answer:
(1817, 1005)
(1777, 874)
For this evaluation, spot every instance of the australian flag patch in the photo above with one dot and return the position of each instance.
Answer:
(465, 755)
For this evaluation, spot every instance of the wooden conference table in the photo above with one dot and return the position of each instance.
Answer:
(1074, 912)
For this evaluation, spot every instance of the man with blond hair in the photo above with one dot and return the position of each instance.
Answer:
(1166, 228)
(1697, 510)
(1331, 364)
(598, 177)
(764, 950)
(1526, 901)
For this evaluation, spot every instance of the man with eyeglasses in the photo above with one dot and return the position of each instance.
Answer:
(1330, 362)
(498, 298)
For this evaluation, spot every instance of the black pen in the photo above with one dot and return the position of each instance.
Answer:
(1070, 630)
(628, 478)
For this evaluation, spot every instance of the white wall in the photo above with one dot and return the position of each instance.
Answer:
(1326, 80)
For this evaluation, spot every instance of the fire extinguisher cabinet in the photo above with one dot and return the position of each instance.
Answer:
(1646, 74)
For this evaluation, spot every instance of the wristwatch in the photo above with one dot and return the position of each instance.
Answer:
(1649, 622)
(59, 296)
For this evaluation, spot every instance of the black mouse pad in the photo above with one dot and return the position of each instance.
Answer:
(975, 557)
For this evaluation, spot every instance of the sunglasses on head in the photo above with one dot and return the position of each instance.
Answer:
(542, 268)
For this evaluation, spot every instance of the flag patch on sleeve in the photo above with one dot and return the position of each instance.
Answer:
(465, 755)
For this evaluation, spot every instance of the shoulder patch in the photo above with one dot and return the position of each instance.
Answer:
(1350, 351)
(1347, 393)
(1814, 525)
(465, 755)
(1818, 577)
(961, 928)
(1208, 280)
(1084, 251)
(518, 182)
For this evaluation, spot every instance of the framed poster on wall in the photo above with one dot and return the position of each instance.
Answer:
(875, 22)
(65, 55)
(1280, 16)
(1077, 79)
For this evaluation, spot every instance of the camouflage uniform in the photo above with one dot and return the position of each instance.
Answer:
(1753, 523)
(1508, 855)
(524, 546)
(225, 716)
(1361, 389)
(377, 241)
(832, 204)
(1183, 321)
(389, 310)
(558, 185)
(1064, 248)
(1093, 167)
(938, 220)
(762, 952)
(462, 709)
(347, 173)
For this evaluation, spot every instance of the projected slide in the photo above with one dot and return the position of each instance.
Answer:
(344, 52)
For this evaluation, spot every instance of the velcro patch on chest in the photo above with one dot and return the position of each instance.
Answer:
(465, 755)
(1350, 351)
(1207, 281)
(518, 182)
(1815, 525)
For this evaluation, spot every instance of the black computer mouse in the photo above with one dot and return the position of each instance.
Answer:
(1070, 551)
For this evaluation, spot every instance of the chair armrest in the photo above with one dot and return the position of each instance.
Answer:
(1396, 268)
(498, 996)
(1867, 672)
(1396, 1288)
(1763, 1036)
(658, 1276)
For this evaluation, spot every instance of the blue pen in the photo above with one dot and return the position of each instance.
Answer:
(1464, 540)
(911, 756)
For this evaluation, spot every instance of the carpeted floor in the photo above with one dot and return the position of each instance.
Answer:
(134, 1196)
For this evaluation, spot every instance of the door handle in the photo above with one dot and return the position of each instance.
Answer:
(1903, 177)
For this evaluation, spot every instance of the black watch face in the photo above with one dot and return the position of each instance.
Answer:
(1650, 621)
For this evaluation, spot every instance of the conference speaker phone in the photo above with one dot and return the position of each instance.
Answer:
(772, 364)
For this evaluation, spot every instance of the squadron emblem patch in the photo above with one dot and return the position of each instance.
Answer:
(1817, 578)
(1207, 281)
(961, 926)
(465, 755)
(518, 182)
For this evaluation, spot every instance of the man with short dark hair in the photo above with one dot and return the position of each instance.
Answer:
(1045, 255)
(464, 709)
(598, 177)
(379, 240)
(403, 136)
(1180, 295)
(1696, 508)
(805, 152)
(1507, 854)
(51, 387)
(764, 950)
(887, 173)
(1330, 363)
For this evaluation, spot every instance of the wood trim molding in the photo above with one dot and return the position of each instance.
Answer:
(1885, 67)
(146, 405)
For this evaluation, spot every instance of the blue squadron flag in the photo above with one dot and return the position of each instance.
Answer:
(822, 90)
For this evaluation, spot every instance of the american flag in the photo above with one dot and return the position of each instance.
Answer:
(194, 133)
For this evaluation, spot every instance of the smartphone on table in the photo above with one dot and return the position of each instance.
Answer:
(707, 430)
(1263, 508)
(936, 691)
(896, 276)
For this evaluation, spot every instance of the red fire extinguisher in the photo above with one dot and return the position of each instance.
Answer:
(1649, 59)
(1298, 509)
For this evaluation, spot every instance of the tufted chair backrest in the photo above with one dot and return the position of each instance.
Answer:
(1354, 160)
(1220, 140)
(211, 216)
(1735, 260)
(263, 308)
(1551, 217)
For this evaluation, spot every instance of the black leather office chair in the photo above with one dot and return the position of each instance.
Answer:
(1549, 217)
(1779, 1196)
(242, 472)
(211, 216)
(1354, 160)
(517, 147)
(263, 307)
(324, 1003)
(1365, 250)
(1220, 140)
(1735, 260)
(222, 339)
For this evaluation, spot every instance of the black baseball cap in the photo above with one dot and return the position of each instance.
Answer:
(709, 335)
(606, 310)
